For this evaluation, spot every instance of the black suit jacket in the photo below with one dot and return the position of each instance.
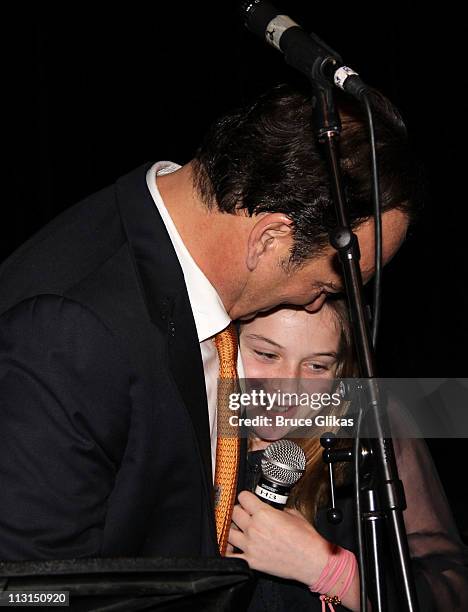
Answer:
(104, 434)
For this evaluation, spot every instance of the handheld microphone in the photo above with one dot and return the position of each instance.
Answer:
(283, 464)
(302, 51)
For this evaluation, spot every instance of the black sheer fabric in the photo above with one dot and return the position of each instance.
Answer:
(439, 558)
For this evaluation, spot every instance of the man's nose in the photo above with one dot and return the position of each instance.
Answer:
(317, 304)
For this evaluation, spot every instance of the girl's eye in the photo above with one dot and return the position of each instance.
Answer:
(263, 355)
(317, 367)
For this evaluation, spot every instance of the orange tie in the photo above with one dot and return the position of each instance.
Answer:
(228, 442)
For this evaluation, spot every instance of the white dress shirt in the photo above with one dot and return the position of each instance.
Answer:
(208, 310)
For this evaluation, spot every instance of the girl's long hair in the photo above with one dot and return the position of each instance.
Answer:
(311, 492)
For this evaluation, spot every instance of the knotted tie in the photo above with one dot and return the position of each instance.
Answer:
(228, 441)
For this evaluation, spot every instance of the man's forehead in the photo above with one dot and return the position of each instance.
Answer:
(394, 228)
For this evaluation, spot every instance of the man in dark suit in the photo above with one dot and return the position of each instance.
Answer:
(106, 369)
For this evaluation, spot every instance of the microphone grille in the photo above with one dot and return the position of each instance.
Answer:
(257, 14)
(247, 7)
(283, 462)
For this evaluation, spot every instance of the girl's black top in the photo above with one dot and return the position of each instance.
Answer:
(439, 559)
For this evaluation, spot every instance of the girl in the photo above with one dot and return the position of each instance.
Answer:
(293, 549)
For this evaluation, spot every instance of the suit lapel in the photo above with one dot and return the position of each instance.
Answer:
(168, 304)
(187, 369)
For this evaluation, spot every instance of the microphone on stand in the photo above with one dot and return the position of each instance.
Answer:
(301, 50)
(283, 464)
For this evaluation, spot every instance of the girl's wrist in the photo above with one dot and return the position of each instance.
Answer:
(315, 557)
(337, 577)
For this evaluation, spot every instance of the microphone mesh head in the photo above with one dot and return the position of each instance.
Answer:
(247, 7)
(283, 462)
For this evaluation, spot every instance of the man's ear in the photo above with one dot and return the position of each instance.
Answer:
(270, 233)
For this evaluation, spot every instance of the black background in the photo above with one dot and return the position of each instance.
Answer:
(93, 92)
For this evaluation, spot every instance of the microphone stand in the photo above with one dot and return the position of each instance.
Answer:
(381, 492)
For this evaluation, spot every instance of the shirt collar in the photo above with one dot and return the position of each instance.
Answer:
(208, 310)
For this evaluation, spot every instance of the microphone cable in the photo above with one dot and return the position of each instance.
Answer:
(377, 288)
(375, 326)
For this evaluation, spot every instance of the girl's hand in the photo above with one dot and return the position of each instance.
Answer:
(278, 542)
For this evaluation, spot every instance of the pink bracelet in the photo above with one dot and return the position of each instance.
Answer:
(339, 561)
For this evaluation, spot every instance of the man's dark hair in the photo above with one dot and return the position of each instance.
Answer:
(265, 158)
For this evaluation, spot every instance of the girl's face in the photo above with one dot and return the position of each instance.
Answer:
(289, 344)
